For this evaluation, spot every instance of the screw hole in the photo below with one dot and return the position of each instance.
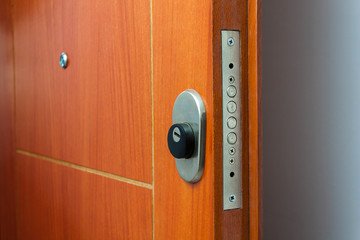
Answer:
(231, 66)
(232, 174)
(231, 79)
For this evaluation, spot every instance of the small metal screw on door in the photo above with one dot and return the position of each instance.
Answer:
(63, 60)
(232, 198)
(230, 41)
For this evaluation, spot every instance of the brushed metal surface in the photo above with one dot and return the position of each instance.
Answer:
(232, 142)
(189, 108)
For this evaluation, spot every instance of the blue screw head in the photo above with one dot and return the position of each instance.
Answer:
(63, 60)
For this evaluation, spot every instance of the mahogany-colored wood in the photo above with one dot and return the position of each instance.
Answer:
(57, 202)
(182, 59)
(255, 120)
(7, 134)
(97, 112)
(230, 15)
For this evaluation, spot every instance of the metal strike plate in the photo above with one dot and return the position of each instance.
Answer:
(189, 108)
(231, 100)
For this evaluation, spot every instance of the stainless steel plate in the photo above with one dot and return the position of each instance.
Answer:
(231, 97)
(189, 108)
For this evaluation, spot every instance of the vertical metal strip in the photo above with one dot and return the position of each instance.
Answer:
(232, 119)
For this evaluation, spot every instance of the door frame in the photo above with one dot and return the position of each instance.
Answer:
(244, 16)
(255, 119)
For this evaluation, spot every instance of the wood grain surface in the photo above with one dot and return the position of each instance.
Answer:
(230, 15)
(97, 112)
(57, 202)
(255, 120)
(110, 110)
(7, 127)
(182, 50)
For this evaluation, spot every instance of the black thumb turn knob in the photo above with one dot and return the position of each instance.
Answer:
(181, 140)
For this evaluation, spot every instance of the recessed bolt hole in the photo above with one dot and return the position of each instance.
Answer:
(231, 66)
(232, 174)
(231, 79)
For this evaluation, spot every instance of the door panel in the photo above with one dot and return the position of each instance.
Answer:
(7, 126)
(58, 202)
(92, 157)
(182, 45)
(83, 114)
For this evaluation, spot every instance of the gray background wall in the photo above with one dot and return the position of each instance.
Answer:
(311, 119)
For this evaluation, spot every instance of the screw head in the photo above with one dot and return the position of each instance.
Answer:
(232, 198)
(230, 42)
(63, 60)
(231, 160)
(231, 79)
(232, 151)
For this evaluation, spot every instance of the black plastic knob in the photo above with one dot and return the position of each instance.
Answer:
(181, 140)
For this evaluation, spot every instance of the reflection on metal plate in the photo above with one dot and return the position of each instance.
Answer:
(231, 97)
(189, 108)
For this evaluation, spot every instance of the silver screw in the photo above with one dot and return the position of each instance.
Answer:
(231, 79)
(63, 60)
(176, 134)
(232, 198)
(230, 42)
(232, 151)
(232, 160)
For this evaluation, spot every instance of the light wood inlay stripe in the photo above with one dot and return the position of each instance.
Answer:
(86, 169)
(152, 121)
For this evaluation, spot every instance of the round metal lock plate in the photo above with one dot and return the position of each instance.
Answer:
(231, 91)
(231, 122)
(231, 107)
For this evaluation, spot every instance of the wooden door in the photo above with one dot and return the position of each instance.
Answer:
(7, 126)
(90, 140)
